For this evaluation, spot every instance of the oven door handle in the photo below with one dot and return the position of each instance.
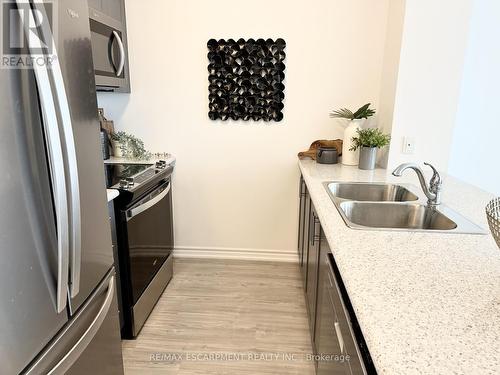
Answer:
(130, 214)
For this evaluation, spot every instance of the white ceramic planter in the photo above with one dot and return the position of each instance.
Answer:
(351, 157)
(117, 149)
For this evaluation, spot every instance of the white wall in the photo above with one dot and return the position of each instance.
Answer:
(429, 78)
(475, 151)
(236, 183)
(390, 71)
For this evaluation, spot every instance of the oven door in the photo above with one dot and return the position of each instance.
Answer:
(150, 236)
(108, 50)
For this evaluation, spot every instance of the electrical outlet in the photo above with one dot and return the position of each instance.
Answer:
(408, 145)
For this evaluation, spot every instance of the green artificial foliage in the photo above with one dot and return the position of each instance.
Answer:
(362, 112)
(371, 137)
(131, 146)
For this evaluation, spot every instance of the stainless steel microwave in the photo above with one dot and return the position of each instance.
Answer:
(109, 52)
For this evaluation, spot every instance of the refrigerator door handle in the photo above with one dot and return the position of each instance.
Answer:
(71, 166)
(56, 165)
(72, 171)
(74, 353)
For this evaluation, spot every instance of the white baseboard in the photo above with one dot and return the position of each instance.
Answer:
(235, 253)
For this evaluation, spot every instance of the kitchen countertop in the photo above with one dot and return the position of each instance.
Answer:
(427, 303)
(112, 194)
(114, 160)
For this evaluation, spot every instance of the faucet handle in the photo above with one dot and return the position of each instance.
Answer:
(436, 181)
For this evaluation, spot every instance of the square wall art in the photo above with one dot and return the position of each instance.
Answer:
(245, 79)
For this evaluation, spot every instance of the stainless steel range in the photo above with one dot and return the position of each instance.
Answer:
(144, 226)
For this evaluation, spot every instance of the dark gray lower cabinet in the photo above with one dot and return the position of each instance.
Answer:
(336, 339)
(302, 220)
(304, 243)
(308, 252)
(312, 271)
(329, 352)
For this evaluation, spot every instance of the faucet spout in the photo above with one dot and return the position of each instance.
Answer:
(431, 191)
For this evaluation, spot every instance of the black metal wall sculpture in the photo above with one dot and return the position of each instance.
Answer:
(246, 79)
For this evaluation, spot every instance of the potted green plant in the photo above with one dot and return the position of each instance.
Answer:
(128, 146)
(356, 119)
(369, 141)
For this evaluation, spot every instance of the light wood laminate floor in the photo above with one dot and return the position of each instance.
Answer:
(225, 307)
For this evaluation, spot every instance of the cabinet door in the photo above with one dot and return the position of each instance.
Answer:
(312, 270)
(302, 220)
(95, 4)
(330, 352)
(344, 322)
(305, 236)
(114, 9)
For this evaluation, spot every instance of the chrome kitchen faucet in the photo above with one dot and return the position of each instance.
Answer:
(433, 191)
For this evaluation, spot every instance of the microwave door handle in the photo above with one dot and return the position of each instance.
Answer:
(56, 164)
(71, 166)
(121, 64)
(147, 205)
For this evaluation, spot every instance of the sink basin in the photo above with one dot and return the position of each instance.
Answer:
(405, 217)
(397, 216)
(393, 207)
(370, 192)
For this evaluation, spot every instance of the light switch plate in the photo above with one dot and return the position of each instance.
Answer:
(408, 145)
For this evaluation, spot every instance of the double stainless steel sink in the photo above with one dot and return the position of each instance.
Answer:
(386, 206)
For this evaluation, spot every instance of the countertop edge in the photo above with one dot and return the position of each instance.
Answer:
(387, 346)
(112, 194)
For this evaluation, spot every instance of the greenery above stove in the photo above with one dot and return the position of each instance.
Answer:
(128, 146)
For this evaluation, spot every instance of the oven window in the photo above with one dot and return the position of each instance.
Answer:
(151, 241)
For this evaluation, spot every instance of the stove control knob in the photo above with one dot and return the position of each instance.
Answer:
(161, 164)
(130, 181)
(123, 183)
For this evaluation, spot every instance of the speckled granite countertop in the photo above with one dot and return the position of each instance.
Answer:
(112, 194)
(170, 159)
(427, 303)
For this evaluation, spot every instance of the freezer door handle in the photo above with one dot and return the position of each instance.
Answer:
(75, 352)
(68, 141)
(56, 163)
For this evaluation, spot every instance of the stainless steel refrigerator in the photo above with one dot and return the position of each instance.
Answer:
(58, 309)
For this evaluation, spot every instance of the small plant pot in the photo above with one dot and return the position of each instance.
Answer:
(367, 158)
(117, 149)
